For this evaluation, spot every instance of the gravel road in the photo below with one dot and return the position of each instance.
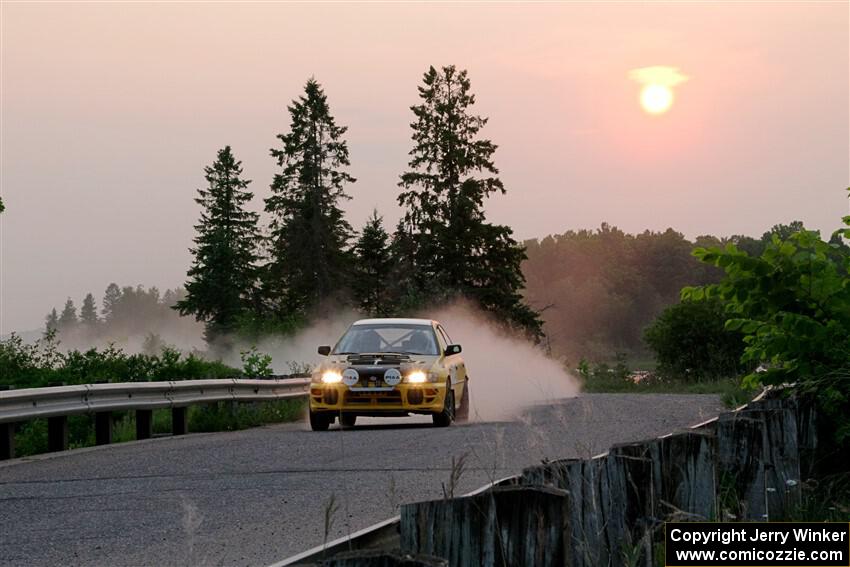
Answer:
(256, 496)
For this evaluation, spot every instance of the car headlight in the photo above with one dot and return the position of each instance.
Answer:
(331, 377)
(420, 377)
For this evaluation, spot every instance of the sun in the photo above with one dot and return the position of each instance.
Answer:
(656, 94)
(656, 99)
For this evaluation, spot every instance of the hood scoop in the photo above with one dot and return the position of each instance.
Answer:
(377, 359)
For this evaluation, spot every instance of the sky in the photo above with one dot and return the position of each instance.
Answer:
(110, 111)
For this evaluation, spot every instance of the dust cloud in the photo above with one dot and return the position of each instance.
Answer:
(507, 373)
(292, 354)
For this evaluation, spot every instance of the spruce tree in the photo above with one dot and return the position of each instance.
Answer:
(88, 312)
(309, 235)
(51, 322)
(371, 282)
(451, 173)
(68, 318)
(406, 287)
(111, 299)
(222, 279)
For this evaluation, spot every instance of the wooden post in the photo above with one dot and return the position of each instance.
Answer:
(103, 428)
(502, 526)
(144, 424)
(179, 421)
(377, 558)
(7, 441)
(57, 433)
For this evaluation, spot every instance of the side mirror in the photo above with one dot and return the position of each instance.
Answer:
(453, 349)
(324, 350)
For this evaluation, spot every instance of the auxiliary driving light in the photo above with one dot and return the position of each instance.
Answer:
(350, 377)
(417, 377)
(331, 377)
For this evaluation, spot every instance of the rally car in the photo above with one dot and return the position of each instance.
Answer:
(390, 367)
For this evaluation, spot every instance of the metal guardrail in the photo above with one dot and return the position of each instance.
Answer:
(33, 403)
(56, 403)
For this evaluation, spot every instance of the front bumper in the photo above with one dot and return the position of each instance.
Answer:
(401, 399)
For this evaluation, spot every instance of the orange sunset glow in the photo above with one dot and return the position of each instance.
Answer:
(115, 108)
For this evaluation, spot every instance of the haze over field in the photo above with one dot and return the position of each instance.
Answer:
(110, 112)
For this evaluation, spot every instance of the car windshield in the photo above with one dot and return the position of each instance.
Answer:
(389, 337)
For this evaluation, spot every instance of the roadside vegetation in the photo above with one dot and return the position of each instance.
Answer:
(619, 377)
(44, 363)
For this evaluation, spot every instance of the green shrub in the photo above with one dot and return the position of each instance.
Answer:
(691, 343)
(42, 363)
(792, 304)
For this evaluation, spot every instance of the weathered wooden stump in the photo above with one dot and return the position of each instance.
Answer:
(740, 466)
(688, 477)
(377, 558)
(628, 504)
(610, 500)
(504, 526)
(781, 456)
(580, 478)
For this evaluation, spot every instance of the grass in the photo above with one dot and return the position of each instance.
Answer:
(729, 388)
(31, 437)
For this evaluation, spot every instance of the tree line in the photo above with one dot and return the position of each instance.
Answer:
(244, 279)
(124, 311)
(605, 291)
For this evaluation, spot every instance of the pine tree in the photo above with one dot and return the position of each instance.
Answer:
(309, 235)
(68, 318)
(371, 283)
(88, 312)
(451, 173)
(222, 279)
(51, 322)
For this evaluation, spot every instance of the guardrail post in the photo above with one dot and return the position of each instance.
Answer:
(7, 441)
(103, 428)
(57, 433)
(179, 421)
(144, 424)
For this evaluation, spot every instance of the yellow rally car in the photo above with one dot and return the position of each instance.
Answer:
(390, 367)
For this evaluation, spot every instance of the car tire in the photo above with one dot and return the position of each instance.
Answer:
(445, 417)
(320, 421)
(347, 420)
(462, 413)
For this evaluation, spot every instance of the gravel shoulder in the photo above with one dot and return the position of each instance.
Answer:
(256, 496)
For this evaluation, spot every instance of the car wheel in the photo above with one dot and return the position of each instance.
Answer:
(347, 420)
(462, 413)
(320, 421)
(445, 417)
